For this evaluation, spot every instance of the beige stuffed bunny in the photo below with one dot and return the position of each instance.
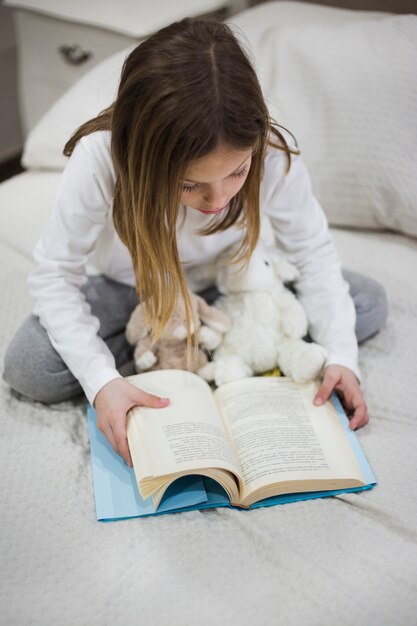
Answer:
(170, 351)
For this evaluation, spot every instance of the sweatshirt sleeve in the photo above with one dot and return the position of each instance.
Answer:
(301, 232)
(81, 210)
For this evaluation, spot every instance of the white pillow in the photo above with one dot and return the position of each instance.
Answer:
(347, 89)
(85, 99)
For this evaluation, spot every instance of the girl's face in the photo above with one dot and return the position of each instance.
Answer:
(212, 181)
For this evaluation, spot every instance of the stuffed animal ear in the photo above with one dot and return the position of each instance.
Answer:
(283, 269)
(136, 328)
(211, 316)
(225, 270)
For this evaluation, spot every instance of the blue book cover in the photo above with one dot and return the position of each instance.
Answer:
(117, 495)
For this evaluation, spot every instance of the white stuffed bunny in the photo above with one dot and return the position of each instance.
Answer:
(268, 323)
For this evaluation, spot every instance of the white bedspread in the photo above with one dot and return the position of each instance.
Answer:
(346, 560)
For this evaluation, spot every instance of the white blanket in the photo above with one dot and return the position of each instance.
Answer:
(348, 560)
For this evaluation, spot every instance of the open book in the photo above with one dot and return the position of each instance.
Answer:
(257, 437)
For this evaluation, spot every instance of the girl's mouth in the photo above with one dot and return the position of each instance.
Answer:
(211, 211)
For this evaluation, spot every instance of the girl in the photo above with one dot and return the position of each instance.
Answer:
(176, 170)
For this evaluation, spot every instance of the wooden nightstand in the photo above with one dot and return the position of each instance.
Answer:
(59, 41)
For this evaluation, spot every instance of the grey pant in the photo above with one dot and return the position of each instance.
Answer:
(33, 368)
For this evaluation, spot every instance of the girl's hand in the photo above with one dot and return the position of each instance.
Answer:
(344, 382)
(112, 403)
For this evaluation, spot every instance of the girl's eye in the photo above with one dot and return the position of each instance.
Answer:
(241, 173)
(188, 188)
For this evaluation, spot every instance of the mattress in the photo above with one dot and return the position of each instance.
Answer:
(350, 559)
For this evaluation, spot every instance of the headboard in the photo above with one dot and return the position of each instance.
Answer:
(393, 6)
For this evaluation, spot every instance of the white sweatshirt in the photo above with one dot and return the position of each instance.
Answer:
(80, 240)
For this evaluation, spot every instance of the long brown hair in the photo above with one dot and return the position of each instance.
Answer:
(182, 92)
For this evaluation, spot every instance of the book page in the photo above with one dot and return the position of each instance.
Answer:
(279, 435)
(188, 434)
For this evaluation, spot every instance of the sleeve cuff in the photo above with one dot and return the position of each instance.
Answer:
(352, 364)
(97, 382)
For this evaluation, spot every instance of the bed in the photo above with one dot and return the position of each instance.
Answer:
(349, 559)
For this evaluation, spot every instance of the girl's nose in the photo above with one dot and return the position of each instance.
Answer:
(216, 196)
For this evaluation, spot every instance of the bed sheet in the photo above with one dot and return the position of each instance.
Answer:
(349, 560)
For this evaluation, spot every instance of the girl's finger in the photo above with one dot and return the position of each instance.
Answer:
(122, 448)
(150, 400)
(360, 417)
(108, 433)
(326, 388)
